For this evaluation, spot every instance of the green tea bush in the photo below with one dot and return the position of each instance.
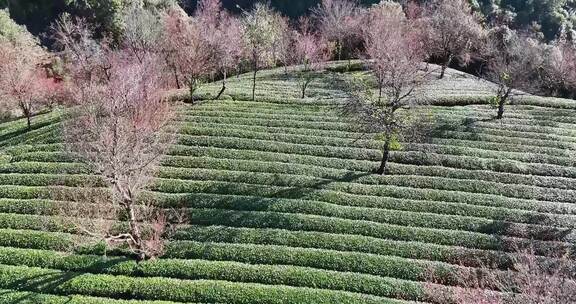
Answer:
(122, 287)
(36, 239)
(26, 297)
(384, 231)
(358, 195)
(428, 207)
(217, 270)
(369, 183)
(342, 242)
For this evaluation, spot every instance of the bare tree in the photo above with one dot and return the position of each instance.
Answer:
(559, 72)
(285, 46)
(513, 62)
(282, 33)
(261, 31)
(453, 31)
(190, 56)
(117, 130)
(22, 83)
(338, 21)
(142, 31)
(395, 53)
(310, 52)
(223, 32)
(85, 59)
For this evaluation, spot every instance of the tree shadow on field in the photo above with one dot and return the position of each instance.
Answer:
(237, 209)
(50, 283)
(22, 131)
(304, 192)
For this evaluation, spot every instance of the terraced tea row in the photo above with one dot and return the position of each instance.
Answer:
(282, 207)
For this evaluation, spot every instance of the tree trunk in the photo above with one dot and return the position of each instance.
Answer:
(223, 87)
(339, 50)
(385, 156)
(501, 104)
(254, 85)
(26, 110)
(304, 85)
(255, 62)
(178, 86)
(135, 230)
(446, 65)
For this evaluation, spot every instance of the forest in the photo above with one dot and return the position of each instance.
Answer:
(547, 16)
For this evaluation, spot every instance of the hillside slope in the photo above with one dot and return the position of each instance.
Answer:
(282, 207)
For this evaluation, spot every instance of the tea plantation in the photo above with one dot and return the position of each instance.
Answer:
(282, 207)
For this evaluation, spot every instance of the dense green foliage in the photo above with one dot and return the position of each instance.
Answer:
(551, 15)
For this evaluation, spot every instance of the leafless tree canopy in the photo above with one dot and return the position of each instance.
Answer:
(186, 51)
(117, 129)
(395, 56)
(513, 62)
(263, 28)
(453, 31)
(339, 21)
(142, 31)
(311, 51)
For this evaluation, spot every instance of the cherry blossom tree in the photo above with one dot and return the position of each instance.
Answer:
(223, 32)
(395, 54)
(339, 22)
(311, 51)
(21, 80)
(559, 75)
(117, 129)
(453, 31)
(186, 51)
(22, 83)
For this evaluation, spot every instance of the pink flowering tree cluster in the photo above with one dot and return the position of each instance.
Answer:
(23, 83)
(311, 51)
(186, 51)
(223, 33)
(340, 22)
(454, 31)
